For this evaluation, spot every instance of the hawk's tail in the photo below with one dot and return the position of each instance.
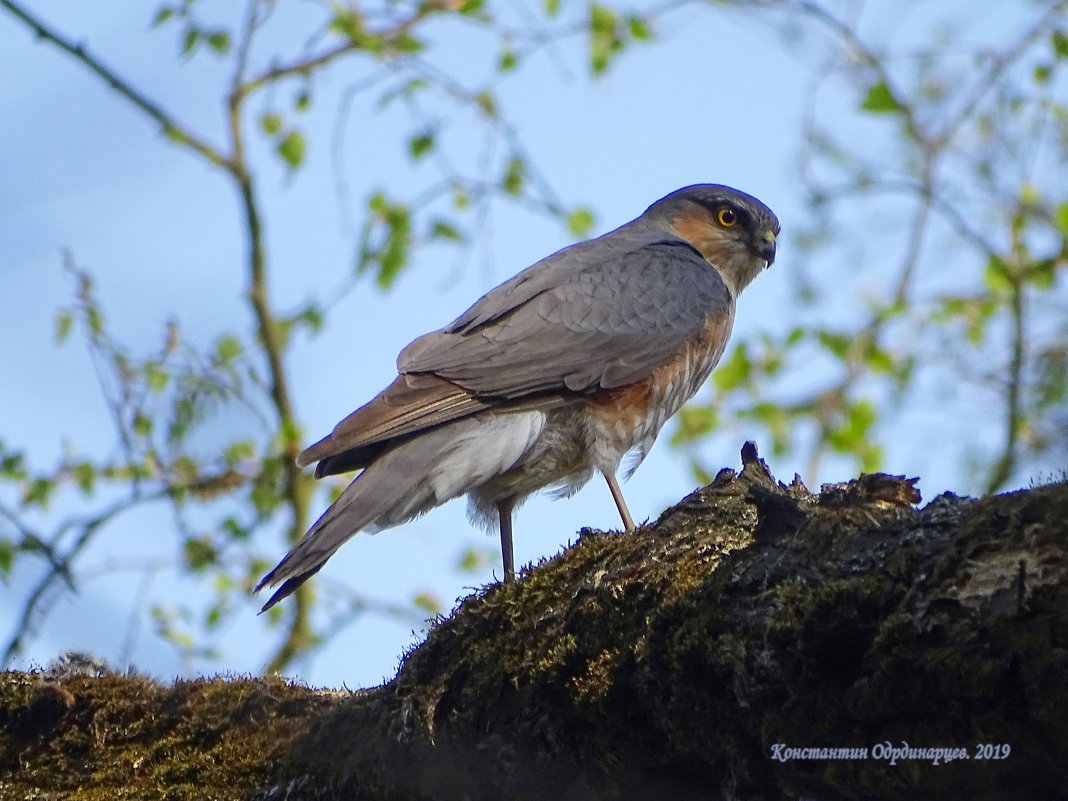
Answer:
(404, 482)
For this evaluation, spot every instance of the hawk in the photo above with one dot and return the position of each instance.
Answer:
(551, 377)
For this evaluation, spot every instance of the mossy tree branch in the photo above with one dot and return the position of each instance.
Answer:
(667, 663)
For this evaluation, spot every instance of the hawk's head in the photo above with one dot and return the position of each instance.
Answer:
(734, 231)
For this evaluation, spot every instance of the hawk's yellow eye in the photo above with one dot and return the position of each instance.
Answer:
(727, 217)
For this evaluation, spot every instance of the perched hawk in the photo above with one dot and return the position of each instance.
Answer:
(554, 375)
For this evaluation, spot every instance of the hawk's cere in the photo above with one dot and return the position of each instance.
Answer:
(554, 375)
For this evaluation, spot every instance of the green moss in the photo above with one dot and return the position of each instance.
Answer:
(127, 737)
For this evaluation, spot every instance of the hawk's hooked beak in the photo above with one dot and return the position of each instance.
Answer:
(765, 247)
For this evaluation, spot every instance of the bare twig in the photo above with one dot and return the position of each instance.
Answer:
(1001, 65)
(61, 564)
(306, 66)
(849, 36)
(1014, 273)
(171, 127)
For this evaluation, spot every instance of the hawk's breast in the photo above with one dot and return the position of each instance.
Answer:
(624, 417)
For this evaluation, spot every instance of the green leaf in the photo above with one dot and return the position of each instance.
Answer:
(472, 559)
(312, 316)
(378, 204)
(1030, 195)
(190, 40)
(508, 61)
(185, 469)
(184, 415)
(602, 19)
(871, 457)
(406, 43)
(227, 349)
(235, 529)
(95, 318)
(239, 451)
(978, 319)
(271, 124)
(393, 255)
(442, 230)
(214, 616)
(639, 29)
(13, 465)
(1060, 216)
(580, 221)
(551, 7)
(470, 6)
(428, 603)
(996, 275)
(514, 175)
(880, 361)
(142, 425)
(850, 436)
(64, 320)
(7, 555)
(604, 41)
(735, 372)
(303, 102)
(164, 14)
(1060, 44)
(839, 345)
(771, 361)
(694, 422)
(39, 492)
(85, 476)
(348, 23)
(219, 41)
(156, 377)
(1042, 74)
(266, 487)
(199, 553)
(774, 418)
(862, 415)
(880, 100)
(702, 476)
(419, 146)
(292, 148)
(487, 103)
(1043, 273)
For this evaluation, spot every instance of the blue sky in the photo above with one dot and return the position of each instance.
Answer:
(718, 99)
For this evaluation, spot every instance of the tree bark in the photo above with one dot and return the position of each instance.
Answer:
(756, 642)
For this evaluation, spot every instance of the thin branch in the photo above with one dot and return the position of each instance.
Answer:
(915, 241)
(60, 567)
(133, 620)
(1013, 392)
(1041, 28)
(849, 35)
(1013, 418)
(308, 65)
(171, 127)
(244, 45)
(297, 487)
